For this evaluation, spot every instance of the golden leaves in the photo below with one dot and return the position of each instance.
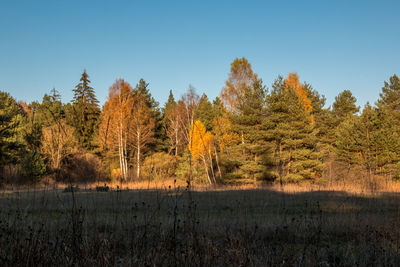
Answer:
(293, 82)
(201, 141)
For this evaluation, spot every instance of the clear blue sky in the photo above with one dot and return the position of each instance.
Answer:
(334, 45)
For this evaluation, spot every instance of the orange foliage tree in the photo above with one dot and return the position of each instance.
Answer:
(126, 125)
(241, 78)
(293, 82)
(201, 146)
(115, 123)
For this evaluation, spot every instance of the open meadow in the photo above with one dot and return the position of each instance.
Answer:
(174, 226)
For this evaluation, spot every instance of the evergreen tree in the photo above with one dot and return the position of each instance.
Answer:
(33, 167)
(389, 120)
(366, 135)
(218, 107)
(11, 117)
(344, 106)
(290, 127)
(85, 113)
(170, 102)
(390, 96)
(251, 157)
(50, 111)
(368, 142)
(142, 88)
(204, 112)
(172, 126)
(346, 143)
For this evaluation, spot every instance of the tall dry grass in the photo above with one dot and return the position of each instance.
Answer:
(177, 227)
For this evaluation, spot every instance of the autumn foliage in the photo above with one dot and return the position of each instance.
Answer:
(201, 141)
(293, 82)
(241, 77)
(252, 133)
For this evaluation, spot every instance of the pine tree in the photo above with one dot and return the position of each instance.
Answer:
(344, 106)
(368, 142)
(389, 119)
(85, 113)
(390, 96)
(252, 154)
(11, 117)
(290, 127)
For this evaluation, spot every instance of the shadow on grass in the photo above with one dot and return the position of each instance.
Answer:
(177, 227)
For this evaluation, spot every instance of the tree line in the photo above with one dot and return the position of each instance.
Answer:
(249, 134)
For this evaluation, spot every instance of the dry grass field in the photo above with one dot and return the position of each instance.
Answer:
(175, 227)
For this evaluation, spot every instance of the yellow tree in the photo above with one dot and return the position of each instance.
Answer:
(201, 146)
(241, 78)
(114, 129)
(224, 136)
(57, 142)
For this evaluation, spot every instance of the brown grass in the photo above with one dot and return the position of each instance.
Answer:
(301, 226)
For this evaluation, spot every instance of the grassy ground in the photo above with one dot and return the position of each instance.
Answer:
(203, 228)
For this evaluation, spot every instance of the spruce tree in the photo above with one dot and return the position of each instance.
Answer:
(142, 88)
(85, 113)
(204, 112)
(170, 102)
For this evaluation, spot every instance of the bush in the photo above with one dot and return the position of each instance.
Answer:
(83, 168)
(71, 188)
(159, 166)
(183, 171)
(33, 167)
(104, 188)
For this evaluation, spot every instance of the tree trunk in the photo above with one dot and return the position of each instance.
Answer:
(280, 171)
(211, 165)
(206, 169)
(176, 141)
(120, 157)
(217, 161)
(138, 156)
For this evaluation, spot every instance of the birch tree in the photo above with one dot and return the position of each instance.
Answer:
(142, 128)
(115, 123)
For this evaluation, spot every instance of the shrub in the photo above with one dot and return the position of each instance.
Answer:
(71, 188)
(159, 166)
(104, 188)
(83, 168)
(184, 169)
(33, 167)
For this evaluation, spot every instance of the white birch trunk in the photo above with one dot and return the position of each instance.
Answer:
(138, 155)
